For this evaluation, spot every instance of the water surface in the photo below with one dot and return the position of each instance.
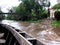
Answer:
(43, 32)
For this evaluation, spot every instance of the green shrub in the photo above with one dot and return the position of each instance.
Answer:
(57, 15)
(44, 16)
(56, 23)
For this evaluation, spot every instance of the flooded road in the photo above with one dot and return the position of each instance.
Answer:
(44, 32)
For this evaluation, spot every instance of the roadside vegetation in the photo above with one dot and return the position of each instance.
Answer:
(29, 11)
(1, 15)
(56, 22)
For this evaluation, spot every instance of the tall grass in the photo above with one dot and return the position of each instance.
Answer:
(56, 23)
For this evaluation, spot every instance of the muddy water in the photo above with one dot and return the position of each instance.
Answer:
(43, 32)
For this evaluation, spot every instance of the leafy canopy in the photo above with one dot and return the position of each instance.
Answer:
(57, 6)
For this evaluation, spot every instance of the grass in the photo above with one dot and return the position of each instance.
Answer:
(33, 21)
(56, 23)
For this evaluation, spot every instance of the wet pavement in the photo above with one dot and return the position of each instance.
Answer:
(44, 31)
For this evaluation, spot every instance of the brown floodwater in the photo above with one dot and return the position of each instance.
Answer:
(45, 33)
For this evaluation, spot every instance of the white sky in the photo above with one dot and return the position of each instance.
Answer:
(53, 2)
(5, 4)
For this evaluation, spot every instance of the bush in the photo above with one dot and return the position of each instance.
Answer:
(56, 23)
(44, 16)
(57, 15)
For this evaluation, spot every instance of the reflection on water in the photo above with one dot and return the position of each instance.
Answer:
(43, 33)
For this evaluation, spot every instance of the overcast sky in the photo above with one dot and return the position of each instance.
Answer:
(5, 4)
(53, 2)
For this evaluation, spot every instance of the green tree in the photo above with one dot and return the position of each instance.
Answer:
(1, 15)
(28, 10)
(56, 7)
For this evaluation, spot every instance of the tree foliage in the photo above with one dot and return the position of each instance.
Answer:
(57, 6)
(29, 10)
(57, 15)
(1, 15)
